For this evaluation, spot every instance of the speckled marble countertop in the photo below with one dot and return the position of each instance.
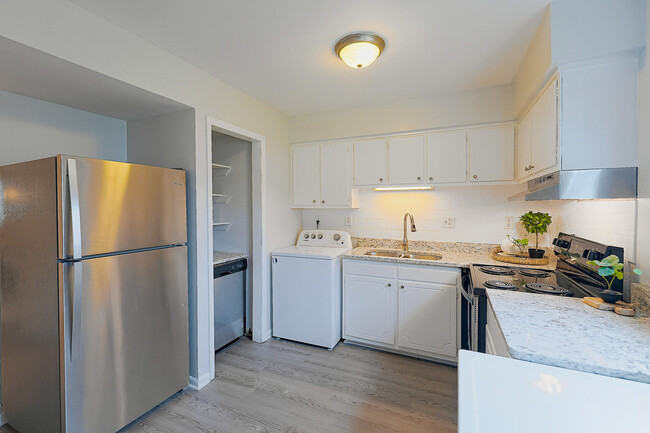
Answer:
(565, 332)
(456, 254)
(221, 257)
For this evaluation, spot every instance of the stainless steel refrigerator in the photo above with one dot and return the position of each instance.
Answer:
(93, 292)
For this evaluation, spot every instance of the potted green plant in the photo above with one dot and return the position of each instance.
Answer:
(536, 223)
(610, 268)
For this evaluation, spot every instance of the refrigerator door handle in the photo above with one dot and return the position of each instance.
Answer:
(77, 287)
(75, 211)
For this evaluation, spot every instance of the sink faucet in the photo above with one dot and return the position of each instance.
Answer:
(405, 241)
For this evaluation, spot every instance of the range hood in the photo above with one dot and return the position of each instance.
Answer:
(600, 183)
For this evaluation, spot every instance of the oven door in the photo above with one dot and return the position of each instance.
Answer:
(473, 317)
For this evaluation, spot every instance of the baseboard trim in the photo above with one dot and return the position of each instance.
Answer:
(199, 383)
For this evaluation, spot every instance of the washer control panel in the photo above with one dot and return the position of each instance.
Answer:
(325, 238)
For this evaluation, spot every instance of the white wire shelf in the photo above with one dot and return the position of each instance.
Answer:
(221, 198)
(220, 169)
(221, 226)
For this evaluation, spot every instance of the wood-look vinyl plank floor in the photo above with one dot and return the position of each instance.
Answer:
(280, 386)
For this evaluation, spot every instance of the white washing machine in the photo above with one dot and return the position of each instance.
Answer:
(307, 288)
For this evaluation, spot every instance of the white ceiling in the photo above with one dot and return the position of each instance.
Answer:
(281, 51)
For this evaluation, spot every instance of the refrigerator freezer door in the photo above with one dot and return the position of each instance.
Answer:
(134, 348)
(120, 207)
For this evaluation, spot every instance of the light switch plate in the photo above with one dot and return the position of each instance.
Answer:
(509, 223)
(449, 222)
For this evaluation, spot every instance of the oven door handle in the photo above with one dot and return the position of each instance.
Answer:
(467, 297)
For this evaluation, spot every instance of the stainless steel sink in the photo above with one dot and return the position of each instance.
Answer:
(421, 256)
(383, 254)
(407, 255)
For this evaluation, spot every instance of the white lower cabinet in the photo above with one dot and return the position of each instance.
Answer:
(370, 312)
(427, 317)
(408, 309)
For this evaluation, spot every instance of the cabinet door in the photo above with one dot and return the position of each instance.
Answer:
(369, 305)
(492, 154)
(447, 157)
(427, 317)
(335, 174)
(406, 160)
(524, 143)
(370, 162)
(544, 131)
(305, 175)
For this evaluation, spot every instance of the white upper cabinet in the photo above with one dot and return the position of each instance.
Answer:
(370, 162)
(524, 145)
(446, 160)
(537, 137)
(335, 187)
(306, 175)
(491, 154)
(544, 142)
(406, 160)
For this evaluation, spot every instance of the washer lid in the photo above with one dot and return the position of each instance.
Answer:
(311, 252)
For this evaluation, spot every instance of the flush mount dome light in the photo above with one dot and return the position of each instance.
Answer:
(359, 49)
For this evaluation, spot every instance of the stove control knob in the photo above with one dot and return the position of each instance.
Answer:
(320, 236)
(313, 236)
(306, 236)
(337, 237)
(595, 255)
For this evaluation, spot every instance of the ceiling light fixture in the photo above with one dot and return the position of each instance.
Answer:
(358, 50)
(402, 188)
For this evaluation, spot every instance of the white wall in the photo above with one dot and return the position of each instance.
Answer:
(643, 216)
(492, 104)
(480, 213)
(584, 29)
(536, 67)
(33, 129)
(67, 31)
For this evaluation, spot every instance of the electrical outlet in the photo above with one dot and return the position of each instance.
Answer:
(318, 221)
(449, 222)
(348, 220)
(509, 223)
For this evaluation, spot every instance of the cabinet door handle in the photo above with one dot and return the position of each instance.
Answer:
(431, 179)
(381, 179)
(475, 177)
(389, 285)
(526, 168)
(402, 286)
(532, 166)
(314, 201)
(419, 178)
(323, 201)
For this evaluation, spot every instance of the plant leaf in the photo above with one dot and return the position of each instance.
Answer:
(637, 271)
(605, 271)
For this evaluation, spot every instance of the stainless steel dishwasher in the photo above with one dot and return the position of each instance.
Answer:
(229, 302)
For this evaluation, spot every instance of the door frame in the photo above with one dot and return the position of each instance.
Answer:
(257, 263)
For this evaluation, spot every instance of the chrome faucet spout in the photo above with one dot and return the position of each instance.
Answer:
(405, 241)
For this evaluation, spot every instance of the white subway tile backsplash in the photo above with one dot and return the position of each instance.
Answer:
(480, 213)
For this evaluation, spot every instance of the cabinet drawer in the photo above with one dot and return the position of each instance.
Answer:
(429, 275)
(360, 267)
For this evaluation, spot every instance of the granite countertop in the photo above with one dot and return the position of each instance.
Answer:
(221, 257)
(565, 332)
(456, 254)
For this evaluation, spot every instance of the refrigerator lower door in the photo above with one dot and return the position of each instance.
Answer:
(119, 206)
(131, 350)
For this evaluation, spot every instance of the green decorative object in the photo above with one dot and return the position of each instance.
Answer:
(536, 223)
(610, 268)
